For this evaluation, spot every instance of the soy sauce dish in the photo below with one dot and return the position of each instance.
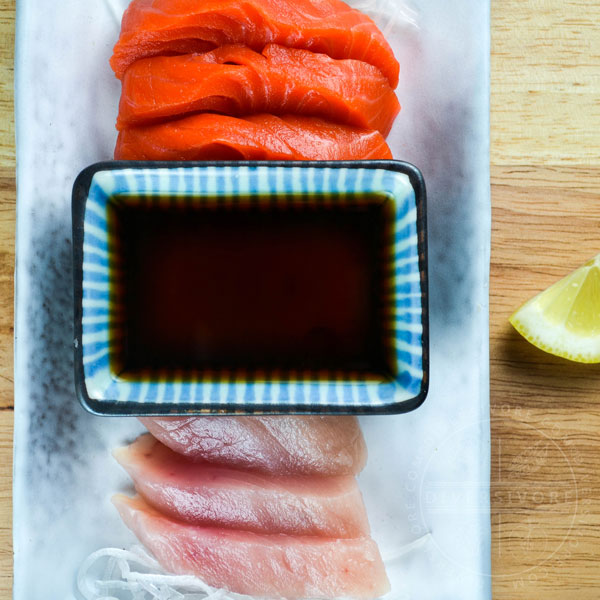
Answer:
(250, 287)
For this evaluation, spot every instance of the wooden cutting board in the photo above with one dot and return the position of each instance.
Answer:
(545, 154)
(545, 412)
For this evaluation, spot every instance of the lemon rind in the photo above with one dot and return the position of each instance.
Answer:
(554, 338)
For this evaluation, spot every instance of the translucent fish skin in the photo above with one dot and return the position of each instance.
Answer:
(235, 80)
(210, 136)
(159, 27)
(278, 445)
(276, 566)
(203, 494)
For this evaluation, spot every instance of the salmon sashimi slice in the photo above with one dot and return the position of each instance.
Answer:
(276, 566)
(280, 445)
(159, 27)
(208, 495)
(235, 80)
(209, 136)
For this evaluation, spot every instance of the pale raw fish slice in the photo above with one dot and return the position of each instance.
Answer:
(281, 445)
(208, 136)
(235, 80)
(207, 495)
(274, 566)
(162, 27)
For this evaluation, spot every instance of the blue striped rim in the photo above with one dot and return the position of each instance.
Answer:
(217, 181)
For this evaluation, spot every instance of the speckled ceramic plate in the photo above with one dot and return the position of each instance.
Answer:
(419, 462)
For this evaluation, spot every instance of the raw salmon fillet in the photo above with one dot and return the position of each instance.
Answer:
(208, 495)
(281, 445)
(235, 80)
(276, 566)
(162, 27)
(257, 137)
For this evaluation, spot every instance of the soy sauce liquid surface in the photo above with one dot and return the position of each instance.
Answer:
(252, 288)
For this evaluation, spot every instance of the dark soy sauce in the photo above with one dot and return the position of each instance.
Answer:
(250, 288)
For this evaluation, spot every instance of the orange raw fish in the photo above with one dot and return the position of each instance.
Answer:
(235, 80)
(275, 566)
(162, 27)
(208, 495)
(278, 445)
(258, 137)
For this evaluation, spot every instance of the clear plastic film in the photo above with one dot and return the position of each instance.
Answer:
(390, 14)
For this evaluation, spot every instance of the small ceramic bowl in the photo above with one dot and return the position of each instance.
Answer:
(371, 358)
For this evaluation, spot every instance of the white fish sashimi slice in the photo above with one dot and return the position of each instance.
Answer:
(279, 445)
(208, 495)
(276, 566)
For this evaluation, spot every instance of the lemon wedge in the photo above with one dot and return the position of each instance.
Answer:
(565, 318)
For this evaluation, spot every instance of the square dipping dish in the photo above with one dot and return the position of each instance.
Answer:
(250, 287)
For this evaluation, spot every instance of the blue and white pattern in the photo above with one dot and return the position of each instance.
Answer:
(408, 304)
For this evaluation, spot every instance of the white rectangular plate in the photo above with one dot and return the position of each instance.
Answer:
(428, 471)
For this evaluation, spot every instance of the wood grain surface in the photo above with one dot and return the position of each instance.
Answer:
(545, 158)
(7, 262)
